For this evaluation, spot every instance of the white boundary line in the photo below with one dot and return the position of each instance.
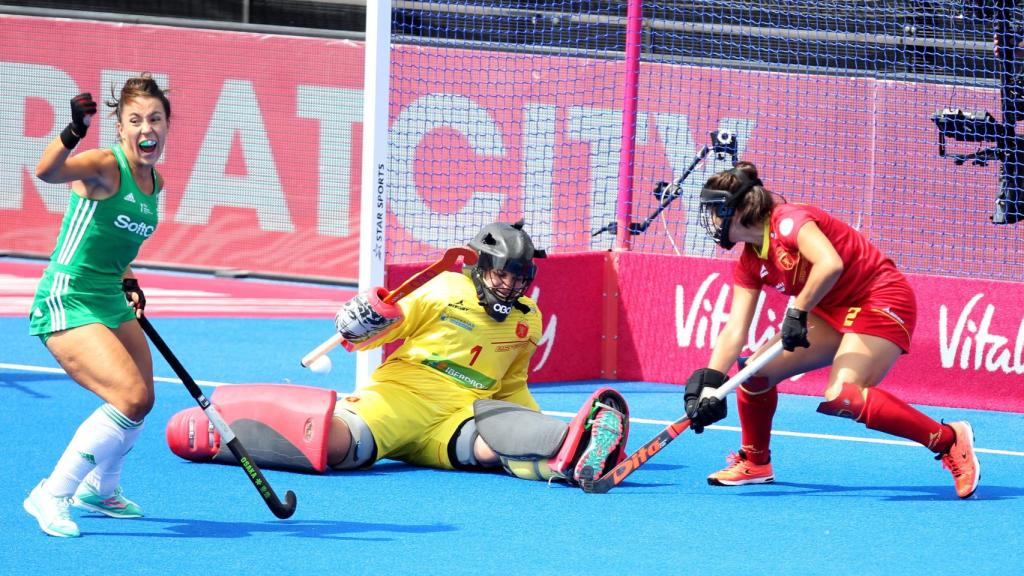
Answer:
(835, 437)
(48, 370)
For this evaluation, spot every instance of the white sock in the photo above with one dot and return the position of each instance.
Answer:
(106, 476)
(98, 441)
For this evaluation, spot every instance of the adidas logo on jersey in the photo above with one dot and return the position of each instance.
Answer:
(129, 198)
(37, 313)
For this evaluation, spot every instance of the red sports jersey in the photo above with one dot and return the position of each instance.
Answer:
(864, 266)
(871, 296)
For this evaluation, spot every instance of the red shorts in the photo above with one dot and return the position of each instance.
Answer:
(889, 312)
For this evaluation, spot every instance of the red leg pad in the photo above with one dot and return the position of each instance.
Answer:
(282, 426)
(190, 436)
(849, 403)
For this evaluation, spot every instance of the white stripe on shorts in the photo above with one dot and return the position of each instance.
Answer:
(55, 302)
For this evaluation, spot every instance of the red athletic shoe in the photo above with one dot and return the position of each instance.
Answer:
(961, 461)
(741, 471)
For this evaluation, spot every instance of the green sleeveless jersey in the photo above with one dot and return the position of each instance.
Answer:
(98, 240)
(102, 237)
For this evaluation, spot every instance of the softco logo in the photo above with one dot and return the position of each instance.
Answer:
(140, 228)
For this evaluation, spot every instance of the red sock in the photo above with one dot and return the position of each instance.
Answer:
(756, 414)
(887, 413)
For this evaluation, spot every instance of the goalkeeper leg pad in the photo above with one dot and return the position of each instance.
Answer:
(524, 439)
(515, 431)
(579, 433)
(282, 426)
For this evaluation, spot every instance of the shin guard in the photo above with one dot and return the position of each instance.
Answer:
(886, 413)
(849, 403)
(756, 407)
(282, 426)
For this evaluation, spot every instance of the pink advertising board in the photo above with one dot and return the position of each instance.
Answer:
(263, 166)
(258, 164)
(967, 350)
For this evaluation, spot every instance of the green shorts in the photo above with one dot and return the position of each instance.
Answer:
(65, 301)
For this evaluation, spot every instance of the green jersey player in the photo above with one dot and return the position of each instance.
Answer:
(88, 299)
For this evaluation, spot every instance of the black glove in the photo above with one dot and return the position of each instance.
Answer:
(83, 107)
(794, 330)
(130, 287)
(707, 410)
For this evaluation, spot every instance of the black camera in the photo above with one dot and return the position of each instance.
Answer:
(724, 142)
(967, 126)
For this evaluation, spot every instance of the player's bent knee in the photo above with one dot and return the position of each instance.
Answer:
(462, 446)
(135, 407)
(362, 448)
(849, 403)
(484, 454)
(467, 450)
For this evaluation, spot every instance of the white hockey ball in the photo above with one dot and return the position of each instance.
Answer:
(321, 365)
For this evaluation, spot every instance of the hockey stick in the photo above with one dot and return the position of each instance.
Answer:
(281, 510)
(445, 262)
(615, 476)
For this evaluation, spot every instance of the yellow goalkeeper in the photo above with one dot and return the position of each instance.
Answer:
(453, 396)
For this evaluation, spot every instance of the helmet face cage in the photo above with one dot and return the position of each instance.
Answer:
(716, 202)
(522, 271)
(723, 203)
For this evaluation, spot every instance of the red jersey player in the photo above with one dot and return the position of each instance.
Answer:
(860, 306)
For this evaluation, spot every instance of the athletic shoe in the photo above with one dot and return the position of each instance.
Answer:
(605, 435)
(741, 471)
(52, 512)
(961, 460)
(115, 506)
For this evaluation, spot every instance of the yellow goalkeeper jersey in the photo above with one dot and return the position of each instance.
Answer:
(453, 350)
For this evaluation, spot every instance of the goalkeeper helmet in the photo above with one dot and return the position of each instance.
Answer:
(504, 267)
(719, 199)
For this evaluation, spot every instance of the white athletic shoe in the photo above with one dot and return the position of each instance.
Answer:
(115, 505)
(53, 513)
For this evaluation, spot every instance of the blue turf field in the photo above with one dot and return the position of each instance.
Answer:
(842, 504)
